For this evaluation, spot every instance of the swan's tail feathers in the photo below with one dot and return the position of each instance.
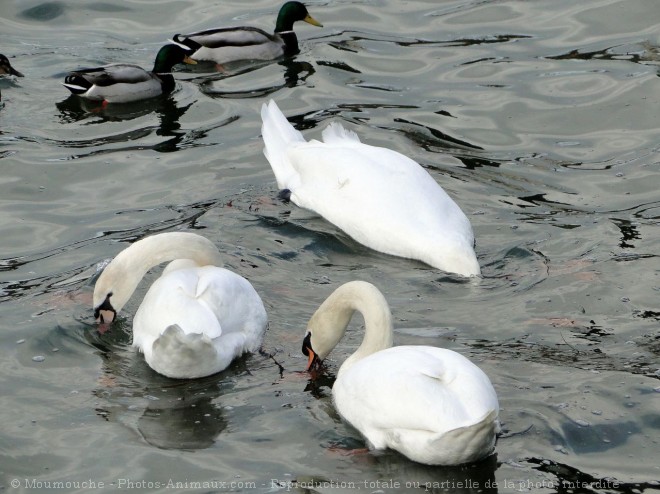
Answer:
(336, 133)
(179, 355)
(278, 134)
(477, 440)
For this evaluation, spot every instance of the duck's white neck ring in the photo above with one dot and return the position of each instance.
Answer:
(285, 32)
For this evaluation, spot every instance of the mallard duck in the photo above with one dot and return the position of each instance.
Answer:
(430, 404)
(249, 43)
(6, 68)
(123, 83)
(196, 318)
(379, 197)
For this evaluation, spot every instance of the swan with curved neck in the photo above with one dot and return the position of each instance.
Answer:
(431, 404)
(196, 318)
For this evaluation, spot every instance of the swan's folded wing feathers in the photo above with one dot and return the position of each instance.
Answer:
(345, 184)
(234, 302)
(335, 133)
(278, 136)
(409, 388)
(172, 300)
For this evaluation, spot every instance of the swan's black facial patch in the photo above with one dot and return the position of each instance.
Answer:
(307, 344)
(106, 305)
(313, 361)
(284, 195)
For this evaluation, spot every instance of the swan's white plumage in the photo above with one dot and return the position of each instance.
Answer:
(379, 197)
(195, 318)
(431, 404)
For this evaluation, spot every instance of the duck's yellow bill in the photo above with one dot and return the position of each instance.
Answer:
(189, 60)
(309, 19)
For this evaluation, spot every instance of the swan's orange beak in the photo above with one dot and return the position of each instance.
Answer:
(311, 359)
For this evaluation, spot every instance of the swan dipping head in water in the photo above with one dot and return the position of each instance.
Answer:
(196, 317)
(430, 404)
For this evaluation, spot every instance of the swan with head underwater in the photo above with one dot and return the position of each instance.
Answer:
(379, 197)
(430, 404)
(196, 317)
(125, 83)
(223, 45)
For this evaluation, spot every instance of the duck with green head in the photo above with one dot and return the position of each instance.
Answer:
(125, 83)
(230, 44)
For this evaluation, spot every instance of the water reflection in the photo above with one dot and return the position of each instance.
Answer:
(183, 417)
(74, 109)
(430, 138)
(173, 414)
(48, 11)
(571, 479)
(295, 74)
(642, 53)
(595, 438)
(629, 232)
(472, 478)
(44, 12)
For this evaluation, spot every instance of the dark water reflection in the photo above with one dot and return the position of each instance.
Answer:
(294, 74)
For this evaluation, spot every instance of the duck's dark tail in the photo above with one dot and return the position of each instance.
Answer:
(182, 40)
(76, 84)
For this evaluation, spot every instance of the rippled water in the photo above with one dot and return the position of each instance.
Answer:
(540, 118)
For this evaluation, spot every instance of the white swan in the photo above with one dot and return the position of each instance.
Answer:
(430, 404)
(196, 318)
(379, 197)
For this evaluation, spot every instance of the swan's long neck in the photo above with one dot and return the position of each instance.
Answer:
(122, 276)
(336, 312)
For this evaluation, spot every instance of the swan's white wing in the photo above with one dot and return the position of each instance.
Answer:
(208, 300)
(335, 133)
(234, 302)
(194, 321)
(432, 405)
(414, 388)
(278, 135)
(377, 196)
(173, 300)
